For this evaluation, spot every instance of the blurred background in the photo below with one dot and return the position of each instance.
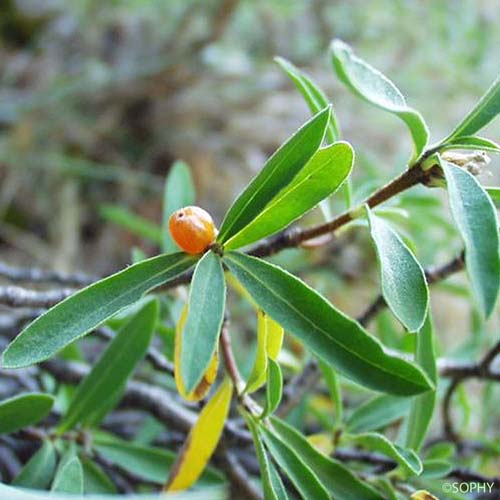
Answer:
(98, 99)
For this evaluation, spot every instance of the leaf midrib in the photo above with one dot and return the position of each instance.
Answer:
(324, 332)
(128, 291)
(107, 369)
(206, 289)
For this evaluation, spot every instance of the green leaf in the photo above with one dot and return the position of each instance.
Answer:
(494, 194)
(316, 100)
(422, 408)
(95, 480)
(151, 464)
(179, 192)
(332, 382)
(271, 482)
(303, 478)
(131, 222)
(436, 469)
(320, 177)
(207, 299)
(313, 95)
(471, 142)
(443, 451)
(403, 280)
(372, 86)
(88, 308)
(279, 487)
(373, 441)
(38, 472)
(340, 482)
(113, 368)
(277, 173)
(475, 216)
(327, 332)
(274, 387)
(483, 113)
(377, 413)
(69, 474)
(23, 410)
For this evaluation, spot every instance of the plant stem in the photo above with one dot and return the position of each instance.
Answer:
(294, 238)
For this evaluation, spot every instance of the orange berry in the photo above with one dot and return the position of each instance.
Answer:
(193, 229)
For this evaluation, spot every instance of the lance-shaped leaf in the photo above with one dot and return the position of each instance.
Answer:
(340, 482)
(201, 331)
(272, 485)
(88, 308)
(313, 95)
(134, 223)
(201, 390)
(476, 219)
(471, 142)
(95, 479)
(333, 383)
(403, 280)
(23, 410)
(277, 173)
(373, 441)
(69, 474)
(274, 387)
(483, 113)
(436, 469)
(38, 472)
(377, 413)
(372, 86)
(269, 340)
(113, 368)
(316, 100)
(422, 407)
(179, 192)
(202, 440)
(321, 177)
(327, 332)
(257, 376)
(149, 463)
(289, 460)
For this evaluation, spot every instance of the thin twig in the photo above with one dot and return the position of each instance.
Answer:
(462, 474)
(36, 275)
(15, 296)
(241, 484)
(229, 360)
(295, 237)
(152, 399)
(433, 275)
(458, 372)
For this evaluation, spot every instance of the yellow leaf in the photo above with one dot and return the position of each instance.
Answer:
(208, 377)
(269, 340)
(275, 335)
(423, 495)
(258, 375)
(201, 441)
(322, 442)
